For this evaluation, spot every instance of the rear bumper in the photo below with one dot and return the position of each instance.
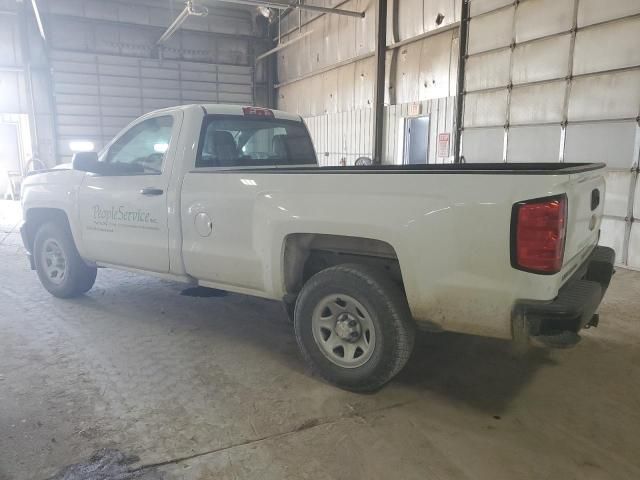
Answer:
(557, 323)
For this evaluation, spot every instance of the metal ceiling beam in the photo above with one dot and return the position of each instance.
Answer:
(283, 45)
(301, 6)
(36, 13)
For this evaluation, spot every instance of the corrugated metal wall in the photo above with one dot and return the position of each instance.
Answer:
(103, 76)
(14, 97)
(101, 69)
(23, 82)
(328, 77)
(96, 95)
(559, 80)
(342, 137)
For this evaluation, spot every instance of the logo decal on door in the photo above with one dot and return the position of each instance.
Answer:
(105, 219)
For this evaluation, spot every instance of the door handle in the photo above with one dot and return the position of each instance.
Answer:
(151, 191)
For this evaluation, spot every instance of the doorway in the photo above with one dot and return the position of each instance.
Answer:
(416, 140)
(15, 152)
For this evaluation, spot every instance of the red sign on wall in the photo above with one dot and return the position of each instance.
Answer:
(444, 139)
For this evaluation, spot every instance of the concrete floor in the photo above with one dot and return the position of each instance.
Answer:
(214, 388)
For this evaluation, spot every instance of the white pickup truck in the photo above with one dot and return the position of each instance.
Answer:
(232, 198)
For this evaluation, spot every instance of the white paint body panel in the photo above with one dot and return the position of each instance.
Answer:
(450, 231)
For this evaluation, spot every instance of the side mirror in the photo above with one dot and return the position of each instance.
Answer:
(85, 162)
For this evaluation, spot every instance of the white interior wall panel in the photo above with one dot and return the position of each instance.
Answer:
(438, 66)
(614, 95)
(545, 59)
(416, 17)
(608, 46)
(406, 82)
(597, 11)
(365, 28)
(491, 31)
(478, 7)
(633, 259)
(618, 189)
(488, 70)
(610, 142)
(486, 109)
(537, 141)
(13, 94)
(633, 219)
(410, 19)
(613, 234)
(538, 103)
(541, 18)
(330, 39)
(559, 80)
(486, 144)
(340, 89)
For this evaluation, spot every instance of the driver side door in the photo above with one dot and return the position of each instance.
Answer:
(123, 214)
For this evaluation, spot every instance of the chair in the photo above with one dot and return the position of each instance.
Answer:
(14, 182)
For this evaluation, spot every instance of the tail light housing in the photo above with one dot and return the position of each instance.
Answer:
(538, 232)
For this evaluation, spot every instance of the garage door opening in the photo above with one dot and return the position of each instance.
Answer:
(15, 153)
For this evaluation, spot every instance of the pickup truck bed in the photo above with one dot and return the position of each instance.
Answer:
(451, 168)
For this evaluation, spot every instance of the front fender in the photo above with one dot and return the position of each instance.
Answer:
(56, 191)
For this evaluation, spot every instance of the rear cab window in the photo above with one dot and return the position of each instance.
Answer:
(253, 141)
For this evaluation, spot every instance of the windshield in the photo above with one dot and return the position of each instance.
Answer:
(235, 141)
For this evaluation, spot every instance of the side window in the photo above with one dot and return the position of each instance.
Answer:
(143, 147)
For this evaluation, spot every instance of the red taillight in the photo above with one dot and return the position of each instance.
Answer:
(538, 232)
(257, 112)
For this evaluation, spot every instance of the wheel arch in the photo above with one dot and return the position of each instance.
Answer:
(37, 216)
(304, 254)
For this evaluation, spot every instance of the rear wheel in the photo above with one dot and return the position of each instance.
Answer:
(354, 327)
(60, 269)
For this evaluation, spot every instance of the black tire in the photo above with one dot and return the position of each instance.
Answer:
(78, 277)
(388, 311)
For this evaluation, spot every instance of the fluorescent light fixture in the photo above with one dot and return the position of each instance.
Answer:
(248, 181)
(160, 147)
(81, 146)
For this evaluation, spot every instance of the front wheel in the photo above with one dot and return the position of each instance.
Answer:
(60, 269)
(354, 327)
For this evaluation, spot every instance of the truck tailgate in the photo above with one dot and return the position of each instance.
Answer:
(585, 194)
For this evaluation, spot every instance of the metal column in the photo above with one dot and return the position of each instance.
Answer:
(462, 60)
(378, 105)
